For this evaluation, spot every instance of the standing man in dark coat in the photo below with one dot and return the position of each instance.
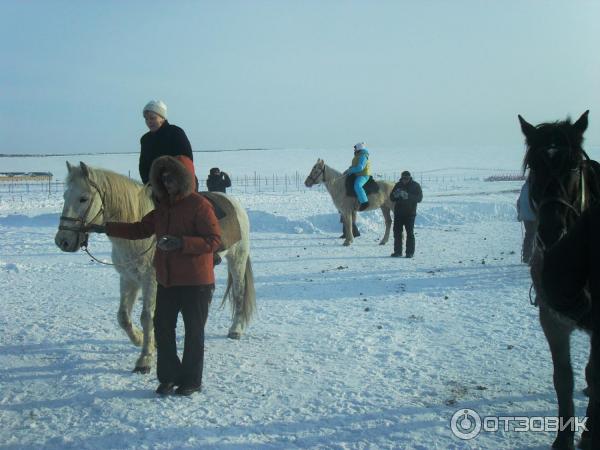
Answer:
(569, 266)
(218, 181)
(405, 195)
(163, 138)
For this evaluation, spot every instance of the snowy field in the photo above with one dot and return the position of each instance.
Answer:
(350, 349)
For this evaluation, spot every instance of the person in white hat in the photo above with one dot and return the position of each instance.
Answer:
(361, 167)
(162, 139)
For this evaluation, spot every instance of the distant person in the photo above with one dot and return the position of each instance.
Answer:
(405, 195)
(162, 139)
(187, 234)
(526, 215)
(361, 167)
(218, 181)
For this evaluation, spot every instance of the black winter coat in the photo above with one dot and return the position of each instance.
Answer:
(408, 206)
(167, 140)
(218, 183)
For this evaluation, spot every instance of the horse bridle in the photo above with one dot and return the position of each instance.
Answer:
(81, 221)
(561, 199)
(314, 179)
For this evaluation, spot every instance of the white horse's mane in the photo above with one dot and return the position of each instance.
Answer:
(124, 199)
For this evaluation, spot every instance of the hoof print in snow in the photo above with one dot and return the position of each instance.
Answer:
(367, 309)
(445, 297)
(510, 347)
(379, 327)
(450, 402)
(483, 261)
(480, 388)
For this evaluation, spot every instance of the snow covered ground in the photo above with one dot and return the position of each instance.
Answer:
(351, 349)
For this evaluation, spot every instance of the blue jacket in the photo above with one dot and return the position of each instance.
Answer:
(524, 211)
(360, 164)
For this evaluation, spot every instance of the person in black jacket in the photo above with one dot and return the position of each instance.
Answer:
(217, 181)
(405, 195)
(569, 266)
(162, 139)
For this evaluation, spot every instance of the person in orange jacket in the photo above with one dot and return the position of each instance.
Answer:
(187, 233)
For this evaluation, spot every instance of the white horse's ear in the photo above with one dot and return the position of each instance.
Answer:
(69, 167)
(84, 169)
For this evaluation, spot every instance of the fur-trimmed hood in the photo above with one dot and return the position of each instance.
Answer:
(182, 169)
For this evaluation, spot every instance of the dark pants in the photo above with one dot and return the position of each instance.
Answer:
(527, 250)
(355, 232)
(402, 222)
(192, 302)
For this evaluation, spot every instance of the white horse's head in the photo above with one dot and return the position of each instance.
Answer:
(316, 174)
(83, 206)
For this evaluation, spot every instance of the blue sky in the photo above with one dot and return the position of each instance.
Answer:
(74, 75)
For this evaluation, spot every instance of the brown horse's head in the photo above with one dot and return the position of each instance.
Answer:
(555, 159)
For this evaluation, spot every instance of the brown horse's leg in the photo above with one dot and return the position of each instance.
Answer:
(558, 334)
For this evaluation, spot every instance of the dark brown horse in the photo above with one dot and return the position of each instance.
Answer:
(563, 182)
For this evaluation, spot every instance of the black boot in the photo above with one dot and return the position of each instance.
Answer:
(165, 388)
(187, 390)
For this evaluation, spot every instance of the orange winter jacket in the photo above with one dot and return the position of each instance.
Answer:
(188, 216)
(191, 218)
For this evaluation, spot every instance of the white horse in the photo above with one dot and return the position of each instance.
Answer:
(97, 196)
(335, 182)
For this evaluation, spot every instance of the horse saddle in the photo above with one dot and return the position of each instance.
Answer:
(370, 187)
(228, 221)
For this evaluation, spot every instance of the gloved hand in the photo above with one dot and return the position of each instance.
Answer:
(403, 195)
(169, 243)
(94, 228)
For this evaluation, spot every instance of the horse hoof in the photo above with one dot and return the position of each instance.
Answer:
(346, 243)
(143, 370)
(234, 335)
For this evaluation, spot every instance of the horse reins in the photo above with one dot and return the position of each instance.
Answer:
(81, 220)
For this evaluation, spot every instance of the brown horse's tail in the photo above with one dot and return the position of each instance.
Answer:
(248, 298)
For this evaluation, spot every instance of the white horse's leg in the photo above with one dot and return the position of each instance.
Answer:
(347, 218)
(129, 289)
(144, 362)
(388, 224)
(240, 281)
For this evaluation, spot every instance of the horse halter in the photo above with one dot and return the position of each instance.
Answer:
(561, 198)
(82, 219)
(314, 179)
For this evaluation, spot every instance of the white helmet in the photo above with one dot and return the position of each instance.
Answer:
(360, 146)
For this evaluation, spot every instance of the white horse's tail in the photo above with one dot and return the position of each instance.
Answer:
(248, 297)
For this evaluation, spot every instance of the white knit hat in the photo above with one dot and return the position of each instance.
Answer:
(156, 106)
(360, 146)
